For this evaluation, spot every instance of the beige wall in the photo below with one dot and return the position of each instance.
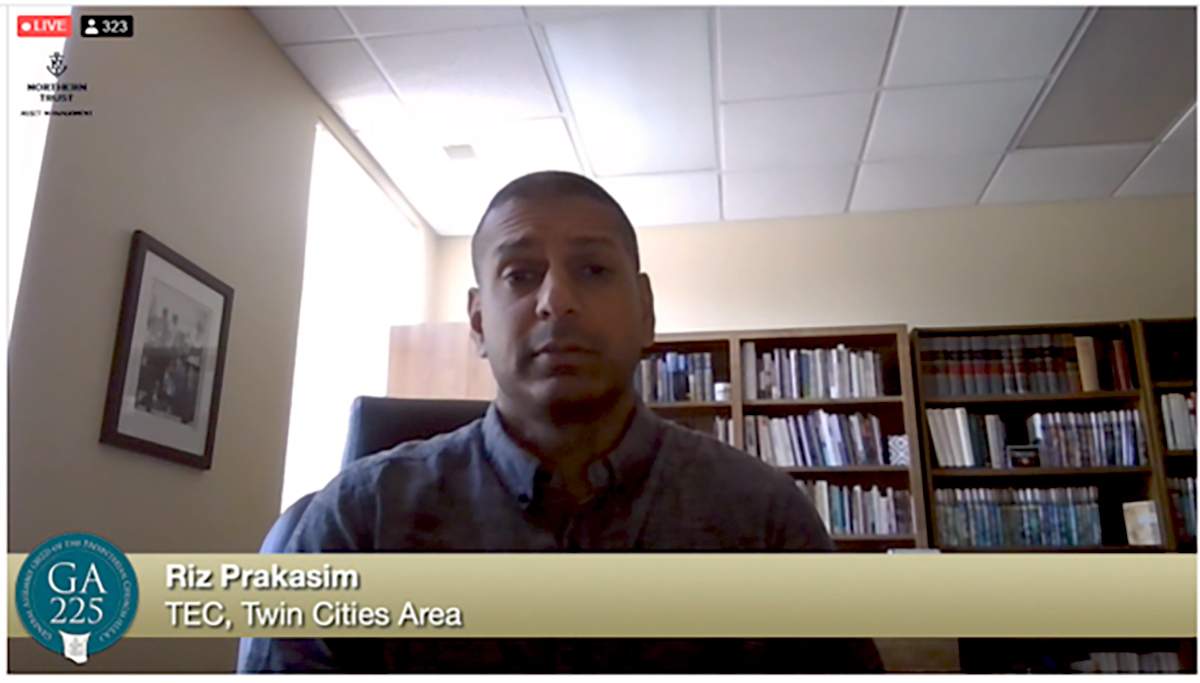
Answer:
(1032, 263)
(202, 135)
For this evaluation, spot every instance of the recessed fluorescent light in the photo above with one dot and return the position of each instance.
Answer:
(459, 152)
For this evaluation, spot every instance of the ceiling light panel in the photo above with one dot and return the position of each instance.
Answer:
(1170, 169)
(922, 183)
(460, 78)
(812, 191)
(667, 199)
(377, 21)
(1131, 74)
(1063, 173)
(347, 79)
(291, 25)
(949, 120)
(936, 45)
(794, 132)
(791, 51)
(640, 87)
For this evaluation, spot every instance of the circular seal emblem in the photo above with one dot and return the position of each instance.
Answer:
(77, 594)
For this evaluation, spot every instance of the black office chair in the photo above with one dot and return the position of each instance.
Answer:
(377, 424)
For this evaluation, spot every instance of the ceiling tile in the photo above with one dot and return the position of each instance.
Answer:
(794, 132)
(640, 88)
(451, 194)
(1063, 173)
(949, 119)
(812, 191)
(1185, 130)
(790, 51)
(462, 77)
(290, 25)
(515, 148)
(343, 74)
(937, 45)
(1131, 74)
(667, 199)
(1170, 169)
(545, 14)
(922, 183)
(376, 21)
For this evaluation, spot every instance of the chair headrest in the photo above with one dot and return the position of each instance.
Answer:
(377, 424)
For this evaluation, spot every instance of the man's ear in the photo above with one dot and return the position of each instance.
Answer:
(475, 315)
(646, 294)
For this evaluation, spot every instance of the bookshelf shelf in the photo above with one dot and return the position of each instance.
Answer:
(1175, 384)
(1180, 454)
(849, 469)
(1033, 398)
(769, 372)
(852, 538)
(1058, 549)
(1020, 473)
(690, 405)
(824, 402)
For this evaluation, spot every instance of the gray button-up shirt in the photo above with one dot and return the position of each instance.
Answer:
(663, 488)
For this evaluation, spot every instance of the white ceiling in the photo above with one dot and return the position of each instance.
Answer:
(693, 115)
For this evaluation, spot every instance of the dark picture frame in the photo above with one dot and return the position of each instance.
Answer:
(1024, 456)
(168, 366)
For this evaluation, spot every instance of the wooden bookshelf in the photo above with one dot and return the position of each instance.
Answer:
(895, 409)
(982, 356)
(1166, 355)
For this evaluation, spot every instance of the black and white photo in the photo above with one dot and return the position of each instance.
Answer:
(169, 357)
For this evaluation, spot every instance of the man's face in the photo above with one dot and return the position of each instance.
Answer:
(560, 312)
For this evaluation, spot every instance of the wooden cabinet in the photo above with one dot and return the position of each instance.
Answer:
(437, 361)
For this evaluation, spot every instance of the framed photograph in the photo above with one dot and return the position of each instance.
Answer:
(169, 357)
(1024, 456)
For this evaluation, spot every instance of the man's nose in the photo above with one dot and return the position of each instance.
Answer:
(557, 297)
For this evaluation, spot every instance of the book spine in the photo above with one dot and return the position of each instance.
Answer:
(941, 362)
(954, 366)
(749, 371)
(1120, 364)
(1050, 364)
(1034, 353)
(1020, 365)
(1008, 375)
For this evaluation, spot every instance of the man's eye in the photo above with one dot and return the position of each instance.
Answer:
(596, 270)
(518, 277)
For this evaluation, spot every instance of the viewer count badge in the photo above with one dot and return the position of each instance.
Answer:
(77, 594)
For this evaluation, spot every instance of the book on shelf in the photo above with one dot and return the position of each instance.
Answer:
(817, 439)
(1015, 364)
(1182, 492)
(1029, 517)
(1129, 662)
(1179, 421)
(1141, 522)
(794, 373)
(1112, 438)
(857, 511)
(672, 377)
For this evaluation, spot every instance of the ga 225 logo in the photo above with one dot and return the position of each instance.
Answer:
(77, 594)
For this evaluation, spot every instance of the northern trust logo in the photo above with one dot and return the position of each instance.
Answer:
(58, 65)
(50, 93)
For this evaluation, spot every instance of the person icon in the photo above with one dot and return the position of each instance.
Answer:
(91, 29)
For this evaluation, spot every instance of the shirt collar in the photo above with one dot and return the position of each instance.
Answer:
(517, 468)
